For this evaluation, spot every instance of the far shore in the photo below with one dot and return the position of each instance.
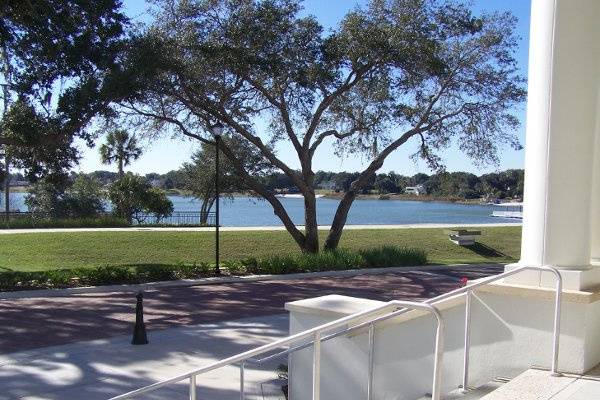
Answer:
(370, 196)
(338, 195)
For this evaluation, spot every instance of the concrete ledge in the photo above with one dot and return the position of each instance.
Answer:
(338, 306)
(580, 278)
(545, 293)
(221, 280)
(333, 305)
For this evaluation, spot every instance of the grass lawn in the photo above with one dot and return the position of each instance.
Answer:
(43, 251)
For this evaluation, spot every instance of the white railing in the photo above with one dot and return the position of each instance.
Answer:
(314, 335)
(315, 338)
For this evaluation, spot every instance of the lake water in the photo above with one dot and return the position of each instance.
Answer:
(247, 211)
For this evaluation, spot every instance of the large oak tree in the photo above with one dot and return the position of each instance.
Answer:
(394, 71)
(55, 56)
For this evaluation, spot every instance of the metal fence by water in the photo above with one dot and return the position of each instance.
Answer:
(177, 218)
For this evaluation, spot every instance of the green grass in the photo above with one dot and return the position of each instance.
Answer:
(340, 259)
(44, 251)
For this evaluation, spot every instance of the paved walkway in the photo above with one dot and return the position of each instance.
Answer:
(100, 369)
(39, 322)
(245, 228)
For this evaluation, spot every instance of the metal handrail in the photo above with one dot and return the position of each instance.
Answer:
(315, 335)
(317, 338)
(467, 291)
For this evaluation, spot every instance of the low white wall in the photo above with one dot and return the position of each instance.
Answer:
(509, 334)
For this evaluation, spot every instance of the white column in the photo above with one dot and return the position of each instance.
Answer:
(595, 213)
(564, 73)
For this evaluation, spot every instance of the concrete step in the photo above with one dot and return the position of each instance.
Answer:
(474, 394)
(535, 384)
(541, 385)
(471, 394)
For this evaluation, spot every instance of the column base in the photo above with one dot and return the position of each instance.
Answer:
(574, 278)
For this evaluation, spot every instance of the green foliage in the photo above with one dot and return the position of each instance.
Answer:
(44, 44)
(108, 274)
(102, 221)
(47, 198)
(392, 256)
(279, 264)
(127, 195)
(81, 199)
(157, 203)
(105, 275)
(339, 259)
(199, 174)
(121, 148)
(34, 140)
(234, 267)
(85, 197)
(132, 196)
(153, 273)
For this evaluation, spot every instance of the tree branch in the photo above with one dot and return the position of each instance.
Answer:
(331, 132)
(255, 140)
(171, 120)
(278, 208)
(283, 110)
(351, 80)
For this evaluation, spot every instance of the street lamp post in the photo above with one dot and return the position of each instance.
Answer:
(4, 154)
(217, 130)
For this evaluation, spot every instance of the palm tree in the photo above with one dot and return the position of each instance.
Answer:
(121, 148)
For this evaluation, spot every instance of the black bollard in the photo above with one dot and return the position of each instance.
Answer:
(139, 331)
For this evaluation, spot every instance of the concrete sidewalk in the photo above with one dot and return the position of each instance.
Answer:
(100, 369)
(245, 228)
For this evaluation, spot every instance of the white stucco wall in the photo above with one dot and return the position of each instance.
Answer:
(509, 334)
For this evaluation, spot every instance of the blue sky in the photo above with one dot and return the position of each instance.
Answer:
(167, 154)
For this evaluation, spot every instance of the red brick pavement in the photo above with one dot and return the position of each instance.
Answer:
(40, 322)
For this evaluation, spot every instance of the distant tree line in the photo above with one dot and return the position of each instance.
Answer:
(503, 184)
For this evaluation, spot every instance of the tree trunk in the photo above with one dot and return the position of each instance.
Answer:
(205, 208)
(311, 228)
(120, 168)
(339, 220)
(341, 214)
(203, 213)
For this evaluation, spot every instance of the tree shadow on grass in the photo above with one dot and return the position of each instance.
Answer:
(485, 251)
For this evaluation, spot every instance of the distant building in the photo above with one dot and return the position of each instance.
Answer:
(415, 190)
(157, 183)
(327, 185)
(14, 183)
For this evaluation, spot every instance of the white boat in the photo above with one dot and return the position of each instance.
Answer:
(508, 210)
(296, 196)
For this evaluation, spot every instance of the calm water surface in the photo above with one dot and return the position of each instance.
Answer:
(246, 211)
